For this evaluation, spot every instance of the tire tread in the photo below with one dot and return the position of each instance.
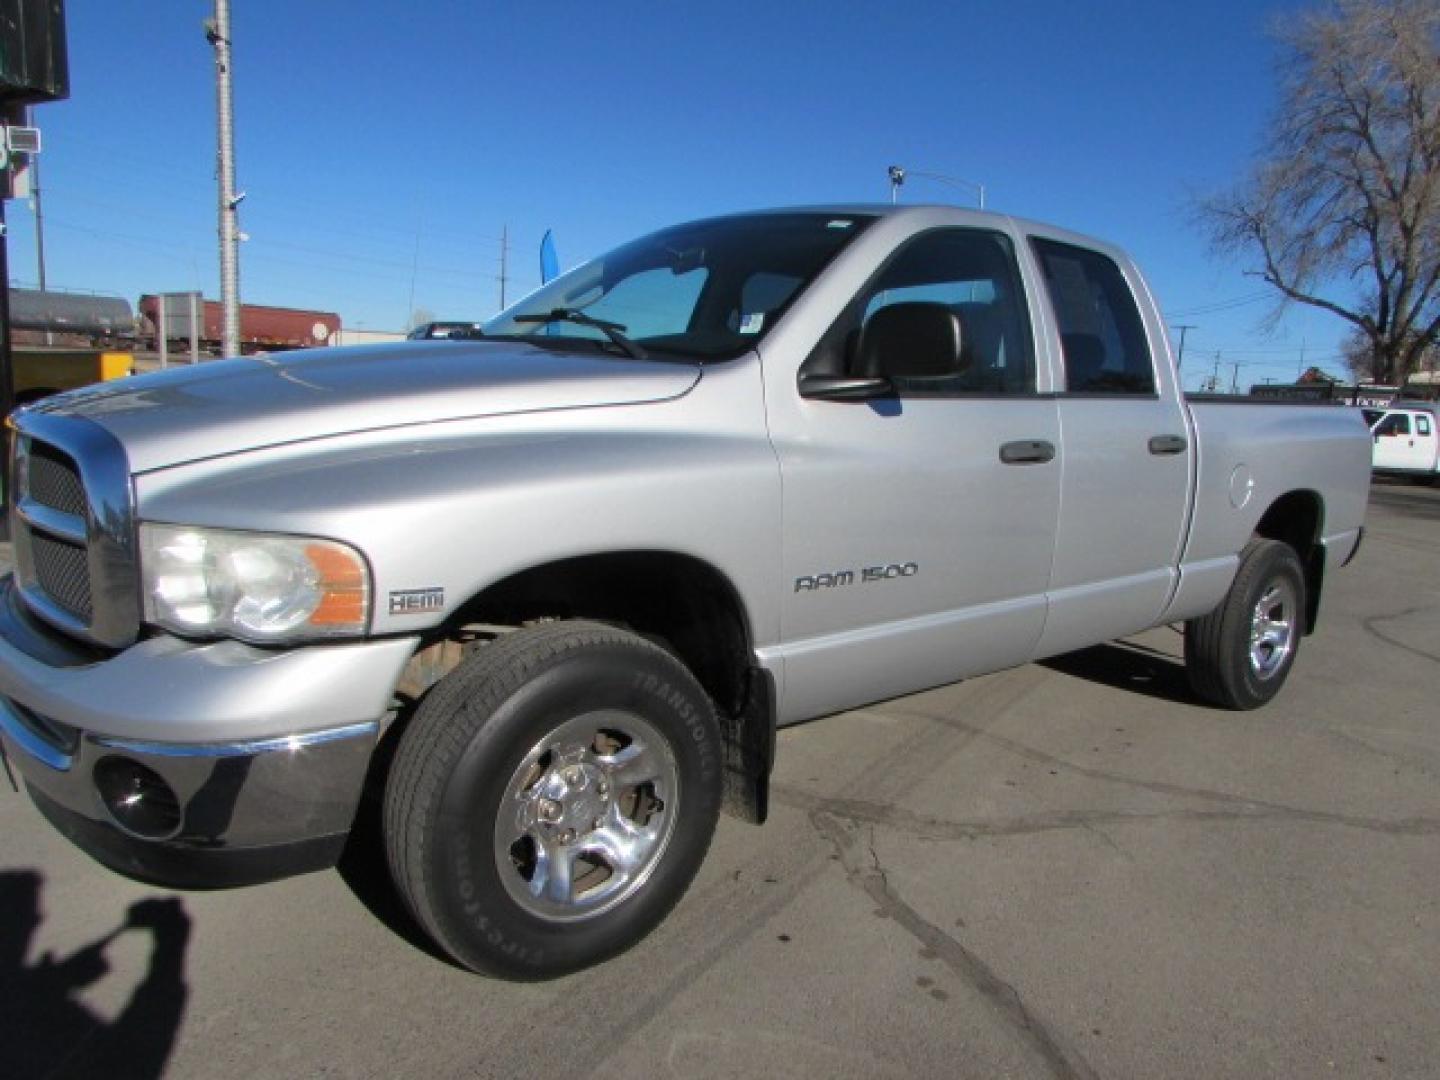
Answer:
(451, 715)
(1211, 667)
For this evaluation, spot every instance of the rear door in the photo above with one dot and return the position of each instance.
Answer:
(1427, 441)
(1126, 478)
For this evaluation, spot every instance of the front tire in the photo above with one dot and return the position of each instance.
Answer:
(1240, 654)
(552, 799)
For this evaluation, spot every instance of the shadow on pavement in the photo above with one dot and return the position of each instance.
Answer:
(1127, 666)
(48, 1031)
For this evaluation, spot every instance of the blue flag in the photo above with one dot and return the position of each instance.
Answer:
(549, 261)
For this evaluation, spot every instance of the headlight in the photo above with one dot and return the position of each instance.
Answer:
(259, 587)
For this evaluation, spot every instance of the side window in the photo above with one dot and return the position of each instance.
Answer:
(1101, 332)
(1396, 423)
(1422, 425)
(973, 273)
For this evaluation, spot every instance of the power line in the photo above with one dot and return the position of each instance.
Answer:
(1221, 305)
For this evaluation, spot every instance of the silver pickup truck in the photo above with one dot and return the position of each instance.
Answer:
(546, 595)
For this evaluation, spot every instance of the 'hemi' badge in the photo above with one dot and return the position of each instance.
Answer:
(415, 601)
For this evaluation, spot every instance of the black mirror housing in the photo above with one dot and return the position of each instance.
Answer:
(844, 387)
(911, 340)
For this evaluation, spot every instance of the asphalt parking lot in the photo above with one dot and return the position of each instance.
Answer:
(1070, 869)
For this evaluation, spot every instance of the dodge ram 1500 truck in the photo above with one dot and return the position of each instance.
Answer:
(547, 595)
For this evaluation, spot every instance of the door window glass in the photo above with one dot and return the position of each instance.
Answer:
(1101, 333)
(1394, 424)
(973, 273)
(1422, 425)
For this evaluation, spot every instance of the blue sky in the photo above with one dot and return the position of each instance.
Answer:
(384, 147)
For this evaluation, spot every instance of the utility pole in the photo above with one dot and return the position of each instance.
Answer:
(1235, 379)
(1215, 375)
(504, 257)
(1184, 328)
(39, 216)
(217, 31)
(39, 227)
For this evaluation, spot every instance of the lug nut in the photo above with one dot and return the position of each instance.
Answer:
(550, 810)
(568, 836)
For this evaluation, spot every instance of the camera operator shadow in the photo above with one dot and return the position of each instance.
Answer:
(46, 1029)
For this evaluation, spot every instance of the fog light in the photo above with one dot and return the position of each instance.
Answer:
(139, 800)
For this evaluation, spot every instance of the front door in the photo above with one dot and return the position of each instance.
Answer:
(918, 529)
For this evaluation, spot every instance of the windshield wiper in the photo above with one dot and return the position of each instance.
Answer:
(614, 331)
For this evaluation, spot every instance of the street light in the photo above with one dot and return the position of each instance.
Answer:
(898, 174)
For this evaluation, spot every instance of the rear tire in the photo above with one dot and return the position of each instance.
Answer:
(1239, 655)
(552, 799)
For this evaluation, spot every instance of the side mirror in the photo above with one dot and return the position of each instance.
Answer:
(911, 340)
(844, 387)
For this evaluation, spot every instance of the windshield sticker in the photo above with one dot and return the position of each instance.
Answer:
(839, 223)
(752, 322)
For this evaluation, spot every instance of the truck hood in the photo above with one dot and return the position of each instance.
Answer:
(224, 406)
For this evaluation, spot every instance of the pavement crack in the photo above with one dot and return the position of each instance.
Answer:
(1375, 631)
(1108, 841)
(922, 827)
(869, 876)
(1243, 805)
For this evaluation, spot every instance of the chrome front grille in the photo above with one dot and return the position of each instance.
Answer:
(73, 525)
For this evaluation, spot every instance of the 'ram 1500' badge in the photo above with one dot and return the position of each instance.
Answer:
(415, 601)
(886, 572)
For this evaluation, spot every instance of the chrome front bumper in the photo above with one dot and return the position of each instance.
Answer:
(260, 763)
(242, 812)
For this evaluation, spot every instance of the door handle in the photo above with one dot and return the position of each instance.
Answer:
(1027, 452)
(1167, 444)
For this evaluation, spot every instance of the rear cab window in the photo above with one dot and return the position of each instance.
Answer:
(1102, 335)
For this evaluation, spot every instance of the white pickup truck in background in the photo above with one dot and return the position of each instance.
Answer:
(1407, 439)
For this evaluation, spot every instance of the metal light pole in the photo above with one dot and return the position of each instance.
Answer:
(218, 33)
(898, 176)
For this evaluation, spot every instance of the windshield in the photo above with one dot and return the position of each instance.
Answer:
(709, 289)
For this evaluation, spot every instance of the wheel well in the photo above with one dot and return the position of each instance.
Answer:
(679, 602)
(1296, 519)
(682, 604)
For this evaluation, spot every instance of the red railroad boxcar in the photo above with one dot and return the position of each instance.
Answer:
(261, 327)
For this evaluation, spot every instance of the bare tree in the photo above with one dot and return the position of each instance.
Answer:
(1342, 212)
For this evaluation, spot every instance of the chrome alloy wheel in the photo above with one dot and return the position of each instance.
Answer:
(1273, 626)
(587, 816)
